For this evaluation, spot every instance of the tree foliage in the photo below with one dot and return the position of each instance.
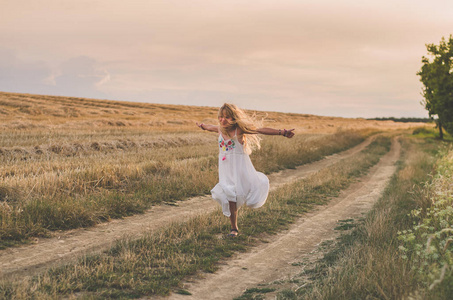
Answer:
(436, 75)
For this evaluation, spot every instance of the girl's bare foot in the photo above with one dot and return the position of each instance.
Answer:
(233, 233)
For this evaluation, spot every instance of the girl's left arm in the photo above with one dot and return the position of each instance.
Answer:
(289, 133)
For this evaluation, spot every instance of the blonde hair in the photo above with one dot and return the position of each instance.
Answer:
(248, 125)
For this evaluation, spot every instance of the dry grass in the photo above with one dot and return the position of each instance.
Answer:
(73, 162)
(25, 111)
(156, 264)
(51, 190)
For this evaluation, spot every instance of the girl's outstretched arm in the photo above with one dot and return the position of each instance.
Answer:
(289, 133)
(208, 127)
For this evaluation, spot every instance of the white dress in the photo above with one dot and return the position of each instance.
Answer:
(238, 180)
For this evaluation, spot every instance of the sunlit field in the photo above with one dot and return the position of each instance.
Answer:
(72, 162)
(157, 263)
(68, 163)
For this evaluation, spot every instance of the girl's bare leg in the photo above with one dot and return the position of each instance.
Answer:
(233, 217)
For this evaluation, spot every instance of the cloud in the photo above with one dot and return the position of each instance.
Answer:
(79, 76)
(17, 75)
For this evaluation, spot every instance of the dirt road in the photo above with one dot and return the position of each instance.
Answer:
(273, 261)
(67, 246)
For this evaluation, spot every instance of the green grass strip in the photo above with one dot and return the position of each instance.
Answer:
(157, 264)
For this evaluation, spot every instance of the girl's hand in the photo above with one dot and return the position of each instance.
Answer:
(201, 125)
(289, 133)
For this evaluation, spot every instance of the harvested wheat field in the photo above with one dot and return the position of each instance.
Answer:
(109, 199)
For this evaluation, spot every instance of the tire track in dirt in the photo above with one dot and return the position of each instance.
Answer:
(68, 246)
(273, 261)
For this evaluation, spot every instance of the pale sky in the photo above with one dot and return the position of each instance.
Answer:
(333, 58)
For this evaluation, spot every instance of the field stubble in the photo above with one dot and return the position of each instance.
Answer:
(155, 264)
(72, 162)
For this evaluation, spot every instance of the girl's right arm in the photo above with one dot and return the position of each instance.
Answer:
(209, 127)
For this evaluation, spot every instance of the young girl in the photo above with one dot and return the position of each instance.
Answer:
(239, 182)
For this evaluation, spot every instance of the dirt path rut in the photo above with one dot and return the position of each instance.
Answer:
(273, 261)
(69, 245)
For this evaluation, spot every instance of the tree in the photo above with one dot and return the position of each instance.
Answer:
(437, 78)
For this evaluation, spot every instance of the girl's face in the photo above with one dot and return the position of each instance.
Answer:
(225, 120)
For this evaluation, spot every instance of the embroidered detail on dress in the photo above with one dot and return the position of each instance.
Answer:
(226, 146)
